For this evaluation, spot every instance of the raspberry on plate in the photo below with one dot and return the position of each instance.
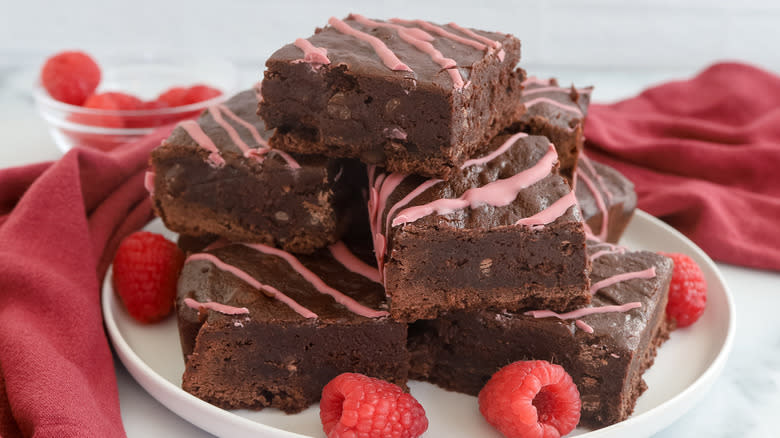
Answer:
(70, 77)
(358, 406)
(529, 399)
(687, 291)
(146, 269)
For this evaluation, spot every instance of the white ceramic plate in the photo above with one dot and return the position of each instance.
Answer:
(686, 366)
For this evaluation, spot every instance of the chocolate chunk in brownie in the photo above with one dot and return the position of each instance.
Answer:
(606, 198)
(606, 353)
(410, 95)
(218, 176)
(558, 113)
(262, 328)
(503, 231)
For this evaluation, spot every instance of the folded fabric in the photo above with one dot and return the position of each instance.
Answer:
(704, 156)
(60, 224)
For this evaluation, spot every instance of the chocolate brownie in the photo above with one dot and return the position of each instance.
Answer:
(558, 113)
(409, 95)
(504, 231)
(218, 176)
(605, 353)
(606, 198)
(261, 328)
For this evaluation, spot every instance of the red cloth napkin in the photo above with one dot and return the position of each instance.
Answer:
(60, 224)
(704, 155)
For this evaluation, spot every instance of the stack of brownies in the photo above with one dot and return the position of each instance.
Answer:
(409, 205)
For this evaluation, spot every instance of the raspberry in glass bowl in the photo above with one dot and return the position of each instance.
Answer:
(135, 95)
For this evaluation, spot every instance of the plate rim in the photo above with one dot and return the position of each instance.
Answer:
(163, 390)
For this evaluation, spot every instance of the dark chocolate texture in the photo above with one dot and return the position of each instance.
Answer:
(461, 351)
(480, 257)
(297, 202)
(606, 198)
(415, 121)
(557, 113)
(274, 356)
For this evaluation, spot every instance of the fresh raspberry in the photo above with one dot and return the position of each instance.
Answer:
(175, 96)
(687, 291)
(357, 406)
(148, 120)
(530, 399)
(146, 269)
(123, 101)
(101, 101)
(200, 93)
(70, 77)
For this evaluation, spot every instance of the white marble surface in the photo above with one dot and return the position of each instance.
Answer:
(744, 401)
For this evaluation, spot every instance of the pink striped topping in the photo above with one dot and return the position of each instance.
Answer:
(443, 32)
(493, 44)
(304, 312)
(149, 182)
(258, 153)
(196, 133)
(551, 213)
(604, 252)
(547, 100)
(343, 255)
(217, 307)
(317, 282)
(647, 273)
(385, 54)
(589, 165)
(547, 85)
(599, 203)
(312, 54)
(585, 311)
(421, 41)
(583, 326)
(500, 151)
(497, 193)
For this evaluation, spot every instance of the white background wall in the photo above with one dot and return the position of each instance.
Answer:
(602, 33)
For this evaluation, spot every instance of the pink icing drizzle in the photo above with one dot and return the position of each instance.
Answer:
(546, 85)
(306, 313)
(312, 54)
(501, 149)
(217, 307)
(551, 213)
(494, 44)
(647, 273)
(599, 203)
(585, 311)
(194, 130)
(258, 152)
(584, 326)
(420, 40)
(149, 182)
(385, 54)
(496, 193)
(587, 163)
(554, 103)
(317, 282)
(343, 255)
(603, 252)
(443, 32)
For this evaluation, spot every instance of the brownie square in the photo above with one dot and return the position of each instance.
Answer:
(606, 198)
(503, 231)
(557, 113)
(218, 176)
(462, 350)
(261, 328)
(409, 95)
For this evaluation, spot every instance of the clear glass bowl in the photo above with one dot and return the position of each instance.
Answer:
(145, 76)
